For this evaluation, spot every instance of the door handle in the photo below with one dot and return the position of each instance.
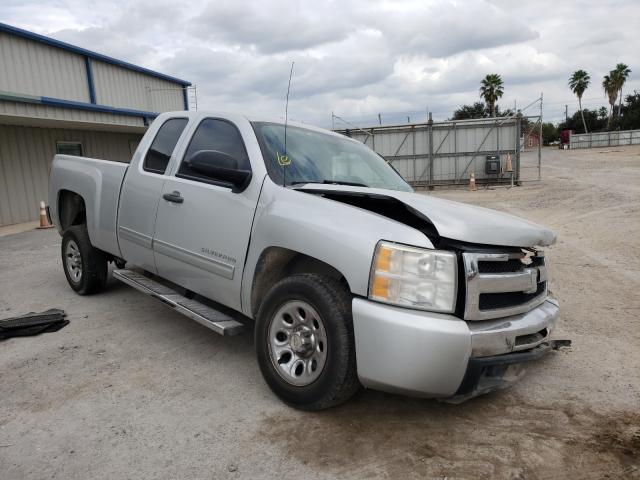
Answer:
(173, 197)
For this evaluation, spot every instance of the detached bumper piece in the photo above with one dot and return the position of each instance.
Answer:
(486, 374)
(33, 324)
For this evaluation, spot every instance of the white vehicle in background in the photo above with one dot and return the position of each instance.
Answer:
(350, 278)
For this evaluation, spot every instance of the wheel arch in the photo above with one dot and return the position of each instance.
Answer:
(276, 263)
(72, 209)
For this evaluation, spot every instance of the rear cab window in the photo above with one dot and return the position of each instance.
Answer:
(164, 143)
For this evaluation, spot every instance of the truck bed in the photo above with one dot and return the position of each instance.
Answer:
(98, 182)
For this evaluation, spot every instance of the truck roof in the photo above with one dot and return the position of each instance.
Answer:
(250, 118)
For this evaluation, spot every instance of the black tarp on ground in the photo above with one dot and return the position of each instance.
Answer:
(32, 323)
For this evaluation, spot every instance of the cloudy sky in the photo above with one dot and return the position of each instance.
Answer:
(355, 58)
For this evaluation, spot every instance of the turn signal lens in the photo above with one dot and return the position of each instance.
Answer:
(380, 287)
(414, 277)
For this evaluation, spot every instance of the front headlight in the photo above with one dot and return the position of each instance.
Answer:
(414, 277)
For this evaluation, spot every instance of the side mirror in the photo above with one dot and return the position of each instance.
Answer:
(221, 167)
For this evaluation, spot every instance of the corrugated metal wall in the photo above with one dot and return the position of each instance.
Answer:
(29, 129)
(120, 87)
(34, 68)
(34, 110)
(25, 156)
(605, 139)
(444, 152)
(29, 67)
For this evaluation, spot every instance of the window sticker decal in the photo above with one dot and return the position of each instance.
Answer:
(283, 160)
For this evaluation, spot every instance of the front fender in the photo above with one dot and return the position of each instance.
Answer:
(338, 234)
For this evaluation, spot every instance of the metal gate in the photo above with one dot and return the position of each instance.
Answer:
(445, 153)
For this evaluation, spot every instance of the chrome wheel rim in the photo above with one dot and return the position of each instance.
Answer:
(73, 261)
(298, 343)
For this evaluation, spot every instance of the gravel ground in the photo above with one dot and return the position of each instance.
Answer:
(130, 389)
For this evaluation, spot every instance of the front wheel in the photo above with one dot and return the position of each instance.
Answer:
(304, 342)
(84, 265)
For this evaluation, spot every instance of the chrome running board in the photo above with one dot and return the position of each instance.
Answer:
(211, 318)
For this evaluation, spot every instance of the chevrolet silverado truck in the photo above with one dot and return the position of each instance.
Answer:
(347, 277)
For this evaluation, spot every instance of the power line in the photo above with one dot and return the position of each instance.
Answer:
(576, 100)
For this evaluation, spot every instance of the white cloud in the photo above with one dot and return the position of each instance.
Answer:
(356, 58)
(271, 27)
(441, 29)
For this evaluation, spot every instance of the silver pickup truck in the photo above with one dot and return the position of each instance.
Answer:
(347, 277)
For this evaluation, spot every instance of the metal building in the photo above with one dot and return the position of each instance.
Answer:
(59, 98)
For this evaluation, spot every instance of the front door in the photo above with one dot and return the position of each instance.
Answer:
(203, 227)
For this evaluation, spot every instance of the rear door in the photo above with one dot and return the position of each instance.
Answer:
(141, 192)
(201, 239)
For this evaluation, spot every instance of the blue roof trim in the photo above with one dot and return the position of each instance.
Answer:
(90, 83)
(57, 102)
(87, 53)
(185, 97)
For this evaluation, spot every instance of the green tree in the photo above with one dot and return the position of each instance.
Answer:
(578, 83)
(549, 133)
(631, 112)
(622, 73)
(477, 110)
(610, 84)
(491, 89)
(602, 113)
(595, 119)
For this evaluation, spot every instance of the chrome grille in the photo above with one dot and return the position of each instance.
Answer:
(503, 284)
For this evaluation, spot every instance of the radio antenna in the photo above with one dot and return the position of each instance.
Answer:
(286, 161)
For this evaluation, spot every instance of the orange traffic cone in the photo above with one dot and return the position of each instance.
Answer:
(472, 182)
(44, 222)
(509, 164)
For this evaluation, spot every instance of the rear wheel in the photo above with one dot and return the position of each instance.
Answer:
(304, 342)
(84, 265)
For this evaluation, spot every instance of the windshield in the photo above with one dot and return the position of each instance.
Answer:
(315, 157)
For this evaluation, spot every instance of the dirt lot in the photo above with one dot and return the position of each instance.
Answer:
(131, 389)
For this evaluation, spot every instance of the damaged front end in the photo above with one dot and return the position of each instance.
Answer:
(439, 218)
(502, 295)
(487, 374)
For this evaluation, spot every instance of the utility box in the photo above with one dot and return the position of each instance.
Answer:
(492, 165)
(565, 138)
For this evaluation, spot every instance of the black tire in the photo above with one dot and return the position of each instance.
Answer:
(93, 276)
(338, 380)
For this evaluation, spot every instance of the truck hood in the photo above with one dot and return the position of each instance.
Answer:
(452, 220)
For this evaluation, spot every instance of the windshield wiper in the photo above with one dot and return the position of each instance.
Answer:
(332, 182)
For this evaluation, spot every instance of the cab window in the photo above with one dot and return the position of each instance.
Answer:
(217, 135)
(161, 149)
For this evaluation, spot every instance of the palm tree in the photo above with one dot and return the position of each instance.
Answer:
(491, 90)
(622, 73)
(602, 113)
(610, 86)
(578, 83)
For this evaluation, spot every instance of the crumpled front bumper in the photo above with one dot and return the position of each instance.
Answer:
(441, 356)
(486, 374)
